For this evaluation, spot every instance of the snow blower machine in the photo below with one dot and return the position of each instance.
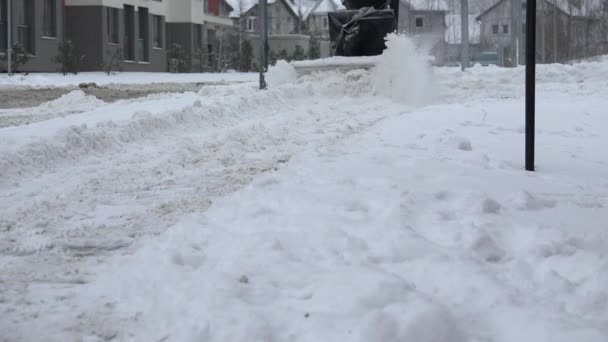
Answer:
(356, 35)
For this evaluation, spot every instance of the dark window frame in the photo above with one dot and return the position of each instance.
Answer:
(50, 18)
(505, 28)
(157, 32)
(495, 29)
(3, 25)
(197, 36)
(419, 22)
(143, 34)
(112, 25)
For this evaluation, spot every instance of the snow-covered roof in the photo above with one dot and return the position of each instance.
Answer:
(324, 6)
(577, 8)
(453, 31)
(428, 5)
(242, 6)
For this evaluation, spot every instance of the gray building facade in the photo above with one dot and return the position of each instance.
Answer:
(425, 21)
(131, 34)
(37, 26)
(578, 32)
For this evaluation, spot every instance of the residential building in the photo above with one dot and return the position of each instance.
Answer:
(318, 23)
(132, 31)
(453, 37)
(200, 27)
(578, 30)
(286, 22)
(425, 21)
(36, 25)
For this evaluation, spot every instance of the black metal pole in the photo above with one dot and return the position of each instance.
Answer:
(263, 5)
(530, 81)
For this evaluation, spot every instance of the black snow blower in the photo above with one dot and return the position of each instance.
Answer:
(361, 28)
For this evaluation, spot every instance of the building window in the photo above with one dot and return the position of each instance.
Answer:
(419, 22)
(251, 23)
(25, 16)
(3, 25)
(210, 54)
(112, 25)
(50, 18)
(325, 23)
(157, 29)
(129, 37)
(505, 29)
(198, 36)
(143, 34)
(495, 29)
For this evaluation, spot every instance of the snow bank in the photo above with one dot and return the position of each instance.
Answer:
(37, 80)
(397, 234)
(40, 146)
(383, 222)
(70, 103)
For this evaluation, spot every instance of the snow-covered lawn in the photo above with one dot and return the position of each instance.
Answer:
(36, 80)
(330, 208)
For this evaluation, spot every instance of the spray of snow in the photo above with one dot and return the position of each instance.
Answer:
(403, 72)
(281, 73)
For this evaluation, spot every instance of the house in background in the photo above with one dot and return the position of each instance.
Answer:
(285, 27)
(318, 23)
(103, 29)
(199, 27)
(578, 30)
(453, 38)
(136, 33)
(424, 20)
(37, 26)
(221, 34)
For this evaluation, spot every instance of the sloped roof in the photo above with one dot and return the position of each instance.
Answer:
(243, 6)
(324, 6)
(428, 5)
(453, 32)
(576, 8)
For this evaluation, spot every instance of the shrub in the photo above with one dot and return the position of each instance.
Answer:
(68, 57)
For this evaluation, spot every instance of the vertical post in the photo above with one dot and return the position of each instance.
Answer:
(515, 4)
(464, 34)
(263, 41)
(543, 40)
(500, 48)
(554, 31)
(518, 32)
(9, 38)
(530, 81)
(266, 33)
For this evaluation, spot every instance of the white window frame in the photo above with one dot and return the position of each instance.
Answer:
(251, 23)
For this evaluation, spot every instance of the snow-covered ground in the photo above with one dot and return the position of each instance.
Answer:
(37, 80)
(329, 208)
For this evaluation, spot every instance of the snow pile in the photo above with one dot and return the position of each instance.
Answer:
(398, 234)
(36, 80)
(74, 101)
(403, 72)
(313, 211)
(280, 73)
(336, 61)
(41, 146)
